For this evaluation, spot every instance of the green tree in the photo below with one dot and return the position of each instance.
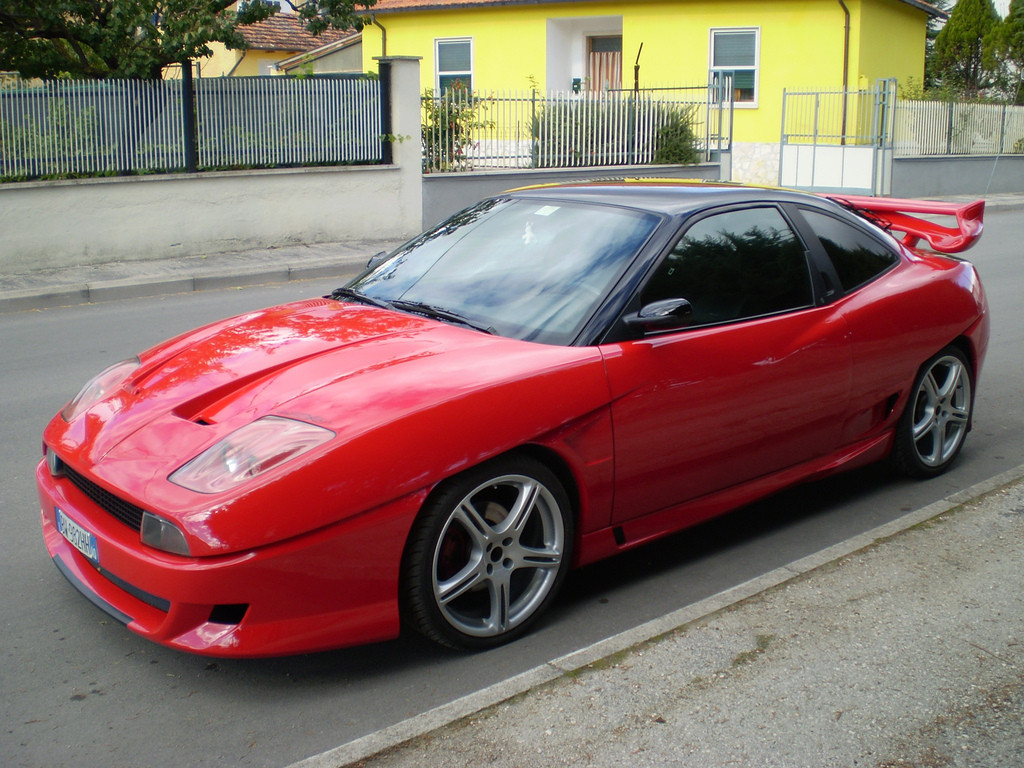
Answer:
(138, 38)
(935, 24)
(1004, 49)
(959, 47)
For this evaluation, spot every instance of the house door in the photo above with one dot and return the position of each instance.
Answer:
(604, 63)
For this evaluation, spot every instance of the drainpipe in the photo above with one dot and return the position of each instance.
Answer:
(846, 62)
(383, 35)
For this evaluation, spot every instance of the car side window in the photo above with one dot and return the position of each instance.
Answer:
(735, 265)
(856, 256)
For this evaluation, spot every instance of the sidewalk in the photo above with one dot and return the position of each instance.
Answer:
(903, 647)
(131, 279)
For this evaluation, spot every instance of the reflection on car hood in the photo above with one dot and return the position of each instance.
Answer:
(235, 371)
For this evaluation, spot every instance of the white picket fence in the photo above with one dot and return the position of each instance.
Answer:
(481, 130)
(954, 128)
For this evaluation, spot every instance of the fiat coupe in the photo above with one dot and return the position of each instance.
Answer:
(553, 376)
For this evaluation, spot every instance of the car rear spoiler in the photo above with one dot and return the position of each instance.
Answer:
(895, 215)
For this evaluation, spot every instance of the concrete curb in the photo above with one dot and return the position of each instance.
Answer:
(446, 714)
(114, 281)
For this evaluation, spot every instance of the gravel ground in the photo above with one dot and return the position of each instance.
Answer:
(909, 653)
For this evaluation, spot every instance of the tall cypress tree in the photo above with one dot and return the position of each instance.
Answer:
(1004, 50)
(935, 24)
(960, 50)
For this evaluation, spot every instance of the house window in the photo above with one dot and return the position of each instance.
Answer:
(604, 63)
(735, 52)
(454, 62)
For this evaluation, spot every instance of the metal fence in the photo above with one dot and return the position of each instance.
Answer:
(464, 131)
(838, 140)
(288, 121)
(77, 127)
(837, 117)
(955, 128)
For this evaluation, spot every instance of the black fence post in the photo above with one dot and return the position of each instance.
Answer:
(188, 117)
(386, 150)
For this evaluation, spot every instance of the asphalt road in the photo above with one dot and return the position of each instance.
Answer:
(79, 689)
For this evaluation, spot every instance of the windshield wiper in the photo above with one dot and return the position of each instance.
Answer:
(437, 313)
(351, 293)
(416, 307)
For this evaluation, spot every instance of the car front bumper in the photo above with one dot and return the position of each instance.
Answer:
(330, 588)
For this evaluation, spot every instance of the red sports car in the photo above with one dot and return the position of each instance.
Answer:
(546, 379)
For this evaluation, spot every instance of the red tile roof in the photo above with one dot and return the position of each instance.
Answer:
(394, 6)
(287, 32)
(388, 6)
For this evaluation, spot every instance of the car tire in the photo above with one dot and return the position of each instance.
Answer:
(488, 553)
(937, 417)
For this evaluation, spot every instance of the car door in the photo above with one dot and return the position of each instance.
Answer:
(877, 306)
(756, 382)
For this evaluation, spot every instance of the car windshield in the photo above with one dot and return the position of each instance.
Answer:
(525, 269)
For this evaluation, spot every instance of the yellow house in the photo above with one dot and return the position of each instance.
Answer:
(594, 44)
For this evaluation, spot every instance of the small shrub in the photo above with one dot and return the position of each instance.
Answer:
(677, 144)
(589, 132)
(449, 121)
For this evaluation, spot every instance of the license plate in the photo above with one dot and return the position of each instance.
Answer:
(80, 538)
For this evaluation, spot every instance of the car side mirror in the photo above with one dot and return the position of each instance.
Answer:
(377, 258)
(664, 315)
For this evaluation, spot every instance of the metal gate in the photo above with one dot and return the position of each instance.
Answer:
(838, 141)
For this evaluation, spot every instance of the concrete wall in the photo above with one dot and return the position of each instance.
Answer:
(448, 193)
(50, 224)
(957, 175)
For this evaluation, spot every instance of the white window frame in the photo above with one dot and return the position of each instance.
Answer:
(438, 42)
(756, 68)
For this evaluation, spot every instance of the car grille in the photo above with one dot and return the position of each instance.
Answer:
(126, 512)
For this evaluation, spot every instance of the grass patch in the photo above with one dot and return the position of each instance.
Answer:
(763, 643)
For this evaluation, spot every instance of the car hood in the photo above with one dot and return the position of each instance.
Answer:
(354, 369)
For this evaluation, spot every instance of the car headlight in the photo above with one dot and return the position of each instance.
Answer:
(99, 387)
(248, 452)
